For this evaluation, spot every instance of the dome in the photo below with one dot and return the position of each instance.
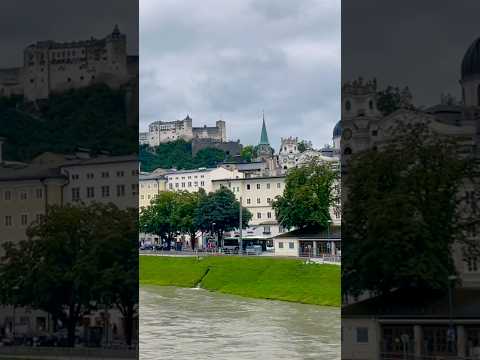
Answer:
(337, 130)
(471, 60)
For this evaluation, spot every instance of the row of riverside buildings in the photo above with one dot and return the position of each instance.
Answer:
(256, 184)
(27, 190)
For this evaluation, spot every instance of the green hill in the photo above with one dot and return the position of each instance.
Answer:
(93, 118)
(178, 154)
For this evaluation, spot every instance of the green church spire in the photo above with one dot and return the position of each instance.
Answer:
(264, 136)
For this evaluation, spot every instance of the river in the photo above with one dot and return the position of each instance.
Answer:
(178, 323)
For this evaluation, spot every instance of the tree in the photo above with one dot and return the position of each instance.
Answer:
(308, 196)
(158, 218)
(304, 145)
(208, 157)
(392, 99)
(247, 153)
(184, 213)
(59, 268)
(222, 209)
(401, 214)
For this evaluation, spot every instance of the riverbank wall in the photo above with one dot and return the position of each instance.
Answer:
(264, 278)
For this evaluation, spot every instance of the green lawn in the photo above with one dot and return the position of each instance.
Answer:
(266, 278)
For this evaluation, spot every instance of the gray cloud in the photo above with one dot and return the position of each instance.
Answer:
(412, 43)
(216, 59)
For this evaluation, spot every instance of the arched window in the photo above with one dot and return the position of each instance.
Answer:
(348, 105)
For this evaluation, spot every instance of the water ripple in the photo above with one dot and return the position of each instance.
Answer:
(196, 324)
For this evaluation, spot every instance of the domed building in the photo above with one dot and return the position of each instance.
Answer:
(470, 75)
(337, 135)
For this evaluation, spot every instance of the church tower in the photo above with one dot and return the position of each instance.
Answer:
(264, 149)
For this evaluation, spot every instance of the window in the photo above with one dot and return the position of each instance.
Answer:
(291, 245)
(268, 186)
(259, 215)
(472, 264)
(266, 230)
(202, 183)
(90, 192)
(90, 176)
(348, 105)
(370, 104)
(75, 194)
(258, 200)
(170, 186)
(105, 191)
(362, 335)
(189, 183)
(120, 190)
(347, 151)
(23, 195)
(183, 184)
(258, 186)
(248, 186)
(105, 174)
(75, 176)
(8, 220)
(38, 217)
(269, 201)
(248, 201)
(39, 193)
(120, 174)
(280, 245)
(24, 219)
(134, 189)
(269, 215)
(7, 195)
(176, 185)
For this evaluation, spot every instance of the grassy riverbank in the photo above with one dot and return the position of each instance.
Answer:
(265, 278)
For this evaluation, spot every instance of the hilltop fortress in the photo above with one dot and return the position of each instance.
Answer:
(165, 131)
(50, 67)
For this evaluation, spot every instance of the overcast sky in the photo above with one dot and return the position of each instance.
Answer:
(23, 22)
(232, 59)
(412, 43)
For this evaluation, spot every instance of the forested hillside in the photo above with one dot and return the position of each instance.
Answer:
(93, 118)
(178, 154)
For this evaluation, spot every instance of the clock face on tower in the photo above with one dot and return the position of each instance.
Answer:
(347, 134)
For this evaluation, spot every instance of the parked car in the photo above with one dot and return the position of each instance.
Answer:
(253, 250)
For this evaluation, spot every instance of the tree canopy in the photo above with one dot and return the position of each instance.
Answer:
(400, 216)
(93, 118)
(75, 256)
(308, 196)
(178, 154)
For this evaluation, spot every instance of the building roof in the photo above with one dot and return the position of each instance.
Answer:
(179, 172)
(312, 234)
(471, 60)
(251, 178)
(418, 304)
(264, 136)
(19, 171)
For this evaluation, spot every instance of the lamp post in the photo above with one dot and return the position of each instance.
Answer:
(451, 330)
(15, 292)
(213, 233)
(240, 240)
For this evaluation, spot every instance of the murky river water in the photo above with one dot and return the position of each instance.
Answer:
(196, 324)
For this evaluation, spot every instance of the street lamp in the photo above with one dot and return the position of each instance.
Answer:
(15, 292)
(451, 330)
